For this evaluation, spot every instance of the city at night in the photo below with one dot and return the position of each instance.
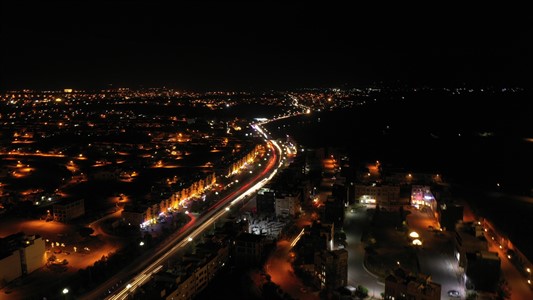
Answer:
(264, 151)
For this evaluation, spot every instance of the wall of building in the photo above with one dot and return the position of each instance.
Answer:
(10, 268)
(69, 210)
(287, 204)
(34, 255)
(331, 269)
(379, 194)
(189, 286)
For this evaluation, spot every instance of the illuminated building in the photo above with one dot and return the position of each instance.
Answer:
(20, 255)
(238, 163)
(421, 196)
(378, 194)
(67, 210)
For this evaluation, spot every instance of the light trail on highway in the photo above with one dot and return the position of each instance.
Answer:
(196, 227)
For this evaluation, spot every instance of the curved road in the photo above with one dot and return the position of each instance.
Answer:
(153, 261)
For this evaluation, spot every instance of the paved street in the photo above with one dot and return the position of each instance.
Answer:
(436, 255)
(518, 283)
(354, 225)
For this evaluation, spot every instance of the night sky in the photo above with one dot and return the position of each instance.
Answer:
(260, 45)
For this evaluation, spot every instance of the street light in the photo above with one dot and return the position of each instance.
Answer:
(65, 291)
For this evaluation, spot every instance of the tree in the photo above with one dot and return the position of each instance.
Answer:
(362, 292)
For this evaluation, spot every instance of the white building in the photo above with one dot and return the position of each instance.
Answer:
(20, 255)
(287, 204)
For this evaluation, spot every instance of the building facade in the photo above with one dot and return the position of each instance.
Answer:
(249, 249)
(421, 196)
(10, 267)
(196, 271)
(334, 211)
(68, 210)
(401, 284)
(265, 201)
(20, 255)
(469, 238)
(383, 195)
(331, 269)
(287, 204)
(483, 270)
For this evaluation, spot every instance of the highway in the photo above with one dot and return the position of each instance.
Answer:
(140, 272)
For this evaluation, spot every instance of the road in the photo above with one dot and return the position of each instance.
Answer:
(520, 289)
(436, 256)
(355, 224)
(139, 272)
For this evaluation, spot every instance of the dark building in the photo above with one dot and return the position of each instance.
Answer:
(265, 202)
(308, 245)
(289, 178)
(331, 269)
(401, 284)
(317, 237)
(250, 249)
(469, 238)
(340, 191)
(334, 211)
(449, 215)
(483, 270)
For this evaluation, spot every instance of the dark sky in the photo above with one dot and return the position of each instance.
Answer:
(57, 44)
